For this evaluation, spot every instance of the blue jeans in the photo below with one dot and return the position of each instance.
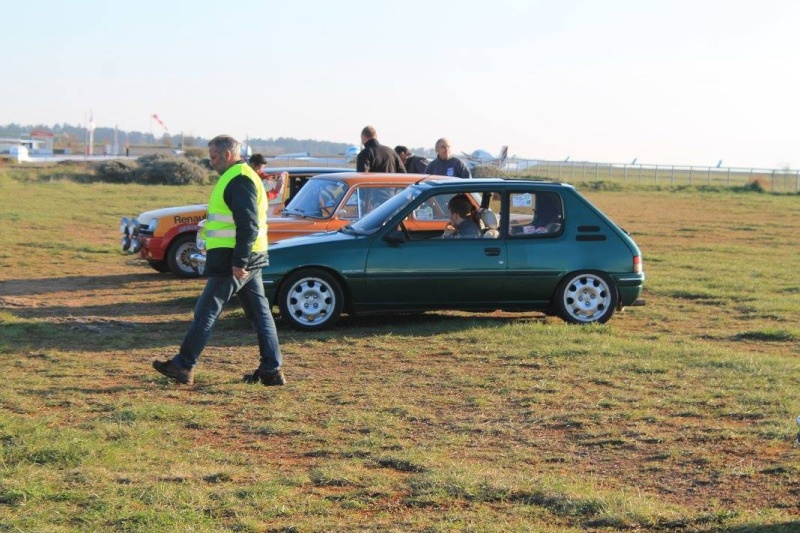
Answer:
(215, 295)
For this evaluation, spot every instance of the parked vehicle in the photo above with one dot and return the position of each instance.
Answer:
(166, 237)
(550, 250)
(331, 201)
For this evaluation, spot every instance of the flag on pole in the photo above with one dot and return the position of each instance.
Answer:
(160, 122)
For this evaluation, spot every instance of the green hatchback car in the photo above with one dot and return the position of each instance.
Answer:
(540, 246)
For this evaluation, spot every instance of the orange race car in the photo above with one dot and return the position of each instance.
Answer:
(165, 238)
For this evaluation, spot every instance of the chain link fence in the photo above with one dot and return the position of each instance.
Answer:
(772, 180)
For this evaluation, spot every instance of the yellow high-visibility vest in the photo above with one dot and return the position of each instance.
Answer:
(220, 230)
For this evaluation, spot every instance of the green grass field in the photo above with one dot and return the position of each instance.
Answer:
(677, 416)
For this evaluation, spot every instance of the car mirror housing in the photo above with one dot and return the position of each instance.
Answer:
(395, 237)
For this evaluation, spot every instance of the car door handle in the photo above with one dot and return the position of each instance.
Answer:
(491, 251)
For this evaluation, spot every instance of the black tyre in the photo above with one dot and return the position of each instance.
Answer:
(586, 298)
(311, 300)
(178, 256)
(159, 266)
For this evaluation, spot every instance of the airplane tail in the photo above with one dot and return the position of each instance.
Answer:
(503, 154)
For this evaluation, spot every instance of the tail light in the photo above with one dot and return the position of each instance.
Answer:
(637, 264)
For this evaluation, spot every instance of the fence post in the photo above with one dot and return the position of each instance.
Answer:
(625, 172)
(672, 178)
(773, 181)
(729, 177)
(690, 175)
(597, 171)
(655, 180)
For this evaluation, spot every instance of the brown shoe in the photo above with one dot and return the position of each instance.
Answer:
(268, 380)
(171, 370)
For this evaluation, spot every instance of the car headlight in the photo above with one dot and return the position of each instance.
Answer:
(200, 239)
(134, 227)
(151, 227)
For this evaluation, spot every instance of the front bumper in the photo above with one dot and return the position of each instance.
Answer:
(198, 261)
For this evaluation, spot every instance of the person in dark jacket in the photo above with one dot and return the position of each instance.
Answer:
(376, 157)
(462, 225)
(414, 163)
(445, 164)
(236, 240)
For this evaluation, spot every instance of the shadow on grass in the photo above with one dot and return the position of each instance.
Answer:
(54, 284)
(91, 333)
(773, 528)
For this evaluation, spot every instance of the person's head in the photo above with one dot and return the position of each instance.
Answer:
(257, 162)
(224, 152)
(443, 149)
(460, 207)
(367, 134)
(403, 152)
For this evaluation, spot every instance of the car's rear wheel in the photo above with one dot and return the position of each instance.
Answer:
(311, 299)
(586, 297)
(178, 256)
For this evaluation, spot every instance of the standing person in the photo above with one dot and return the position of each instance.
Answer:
(414, 164)
(445, 164)
(376, 157)
(236, 239)
(273, 182)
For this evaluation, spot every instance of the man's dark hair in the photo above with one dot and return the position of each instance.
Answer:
(400, 149)
(257, 159)
(459, 205)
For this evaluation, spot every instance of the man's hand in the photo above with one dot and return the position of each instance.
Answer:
(239, 273)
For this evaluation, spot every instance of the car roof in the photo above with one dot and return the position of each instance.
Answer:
(381, 177)
(505, 183)
(306, 170)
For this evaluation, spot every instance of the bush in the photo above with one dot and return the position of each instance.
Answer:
(118, 171)
(163, 169)
(488, 171)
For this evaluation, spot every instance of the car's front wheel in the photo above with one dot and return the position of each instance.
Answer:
(586, 297)
(178, 256)
(159, 266)
(311, 299)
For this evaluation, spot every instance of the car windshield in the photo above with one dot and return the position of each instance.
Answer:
(318, 198)
(375, 220)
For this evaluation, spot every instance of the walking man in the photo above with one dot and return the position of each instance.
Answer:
(236, 240)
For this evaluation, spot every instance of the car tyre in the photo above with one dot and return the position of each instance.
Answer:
(159, 266)
(311, 300)
(178, 256)
(586, 297)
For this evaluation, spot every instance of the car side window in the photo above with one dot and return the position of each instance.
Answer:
(433, 219)
(363, 200)
(535, 214)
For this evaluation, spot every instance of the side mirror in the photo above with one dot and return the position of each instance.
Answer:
(395, 237)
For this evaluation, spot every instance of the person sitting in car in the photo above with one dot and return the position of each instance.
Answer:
(462, 224)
